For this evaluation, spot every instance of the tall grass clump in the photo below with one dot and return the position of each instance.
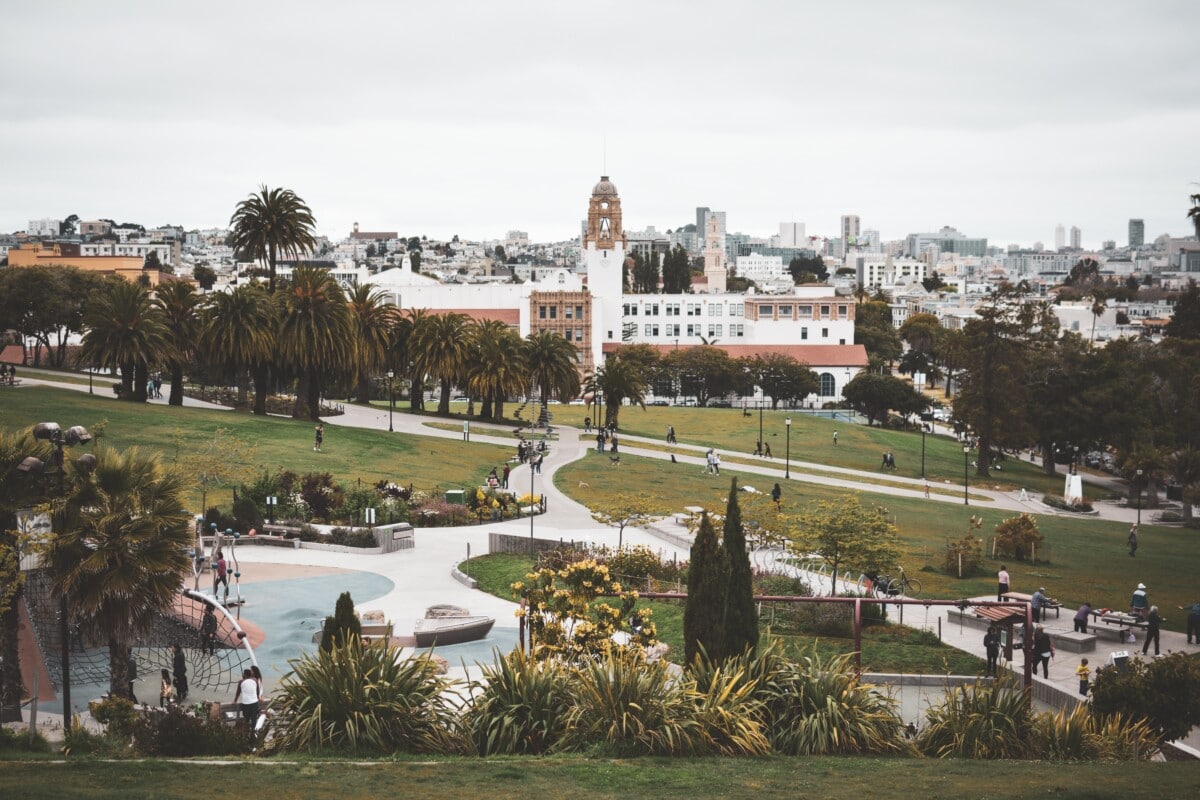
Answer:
(979, 721)
(365, 699)
(519, 707)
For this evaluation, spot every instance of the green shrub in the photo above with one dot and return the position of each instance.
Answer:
(342, 625)
(970, 550)
(18, 740)
(365, 699)
(79, 741)
(1165, 692)
(1056, 502)
(519, 707)
(979, 721)
(246, 514)
(116, 714)
(177, 731)
(1016, 536)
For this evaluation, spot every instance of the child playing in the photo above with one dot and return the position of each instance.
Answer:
(167, 691)
(1082, 671)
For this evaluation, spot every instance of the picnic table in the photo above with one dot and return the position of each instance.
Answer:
(1120, 619)
(1021, 597)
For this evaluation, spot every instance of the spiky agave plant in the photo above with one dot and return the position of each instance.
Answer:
(519, 706)
(364, 698)
(979, 721)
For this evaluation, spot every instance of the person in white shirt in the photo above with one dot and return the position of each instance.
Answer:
(247, 698)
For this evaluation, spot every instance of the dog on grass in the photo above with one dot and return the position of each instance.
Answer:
(614, 461)
(584, 485)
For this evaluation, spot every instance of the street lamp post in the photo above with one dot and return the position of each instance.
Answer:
(787, 457)
(1139, 500)
(924, 430)
(966, 476)
(391, 398)
(51, 432)
(531, 548)
(760, 420)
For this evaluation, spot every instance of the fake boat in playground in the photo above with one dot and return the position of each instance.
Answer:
(446, 625)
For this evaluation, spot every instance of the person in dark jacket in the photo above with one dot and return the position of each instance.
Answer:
(1153, 623)
(179, 669)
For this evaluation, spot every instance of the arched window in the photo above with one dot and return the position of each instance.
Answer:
(827, 385)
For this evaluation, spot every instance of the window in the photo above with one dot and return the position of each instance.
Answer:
(737, 330)
(541, 312)
(647, 329)
(824, 333)
(827, 385)
(578, 312)
(841, 341)
(804, 311)
(693, 329)
(803, 334)
(785, 312)
(652, 310)
(824, 311)
(654, 331)
(693, 309)
(566, 312)
(579, 334)
(736, 310)
(714, 310)
(714, 331)
(766, 312)
(553, 312)
(673, 329)
(672, 309)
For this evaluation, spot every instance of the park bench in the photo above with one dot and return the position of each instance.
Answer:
(1021, 597)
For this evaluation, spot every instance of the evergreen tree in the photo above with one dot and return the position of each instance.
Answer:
(741, 618)
(337, 629)
(708, 583)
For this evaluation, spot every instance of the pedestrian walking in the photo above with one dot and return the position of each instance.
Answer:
(600, 441)
(767, 450)
(1043, 650)
(927, 491)
(1153, 623)
(758, 448)
(1001, 577)
(776, 495)
(247, 699)
(1083, 671)
(1193, 622)
(208, 630)
(835, 434)
(708, 462)
(612, 448)
(1132, 541)
(220, 574)
(537, 464)
(166, 692)
(991, 646)
(318, 437)
(179, 670)
(587, 424)
(507, 470)
(716, 463)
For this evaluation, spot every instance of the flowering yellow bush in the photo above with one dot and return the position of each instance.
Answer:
(565, 620)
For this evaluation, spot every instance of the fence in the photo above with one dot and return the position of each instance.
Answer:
(524, 545)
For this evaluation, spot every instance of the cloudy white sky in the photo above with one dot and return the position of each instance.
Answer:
(472, 118)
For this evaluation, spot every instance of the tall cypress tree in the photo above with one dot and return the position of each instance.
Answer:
(741, 618)
(708, 583)
(337, 629)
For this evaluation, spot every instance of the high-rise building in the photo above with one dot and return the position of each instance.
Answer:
(850, 230)
(1060, 237)
(791, 234)
(1137, 232)
(1076, 238)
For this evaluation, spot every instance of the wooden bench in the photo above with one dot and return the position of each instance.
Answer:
(13, 382)
(1020, 597)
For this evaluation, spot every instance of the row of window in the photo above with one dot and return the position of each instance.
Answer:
(551, 312)
(693, 329)
(682, 309)
(785, 310)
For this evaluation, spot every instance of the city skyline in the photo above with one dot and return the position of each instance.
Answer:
(1000, 122)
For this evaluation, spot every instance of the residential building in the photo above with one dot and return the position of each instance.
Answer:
(947, 240)
(1060, 237)
(1137, 232)
(52, 255)
(45, 228)
(1076, 238)
(791, 234)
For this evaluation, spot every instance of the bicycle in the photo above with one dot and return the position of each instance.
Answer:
(902, 586)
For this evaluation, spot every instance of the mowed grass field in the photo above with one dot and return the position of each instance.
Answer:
(423, 778)
(1087, 558)
(349, 454)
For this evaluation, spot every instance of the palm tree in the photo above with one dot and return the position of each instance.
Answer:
(17, 491)
(315, 335)
(238, 335)
(123, 329)
(372, 320)
(1194, 213)
(179, 304)
(495, 366)
(122, 555)
(1098, 307)
(553, 366)
(440, 349)
(272, 223)
(407, 331)
(619, 380)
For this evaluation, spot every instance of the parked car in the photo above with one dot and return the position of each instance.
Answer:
(720, 404)
(658, 403)
(1094, 459)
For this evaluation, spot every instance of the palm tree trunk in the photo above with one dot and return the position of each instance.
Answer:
(242, 389)
(1048, 467)
(262, 389)
(363, 393)
(314, 396)
(176, 397)
(10, 679)
(485, 407)
(444, 402)
(118, 669)
(498, 407)
(141, 374)
(299, 407)
(127, 380)
(416, 394)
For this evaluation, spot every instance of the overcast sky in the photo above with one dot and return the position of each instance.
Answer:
(473, 118)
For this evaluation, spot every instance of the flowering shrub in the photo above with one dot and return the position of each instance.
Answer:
(438, 513)
(565, 620)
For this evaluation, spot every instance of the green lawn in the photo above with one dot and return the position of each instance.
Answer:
(423, 778)
(1088, 559)
(885, 649)
(349, 454)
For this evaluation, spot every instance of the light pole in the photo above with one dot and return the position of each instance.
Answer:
(924, 430)
(787, 457)
(51, 432)
(391, 398)
(531, 555)
(1139, 500)
(760, 415)
(966, 477)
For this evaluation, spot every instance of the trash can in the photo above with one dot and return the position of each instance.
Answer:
(455, 496)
